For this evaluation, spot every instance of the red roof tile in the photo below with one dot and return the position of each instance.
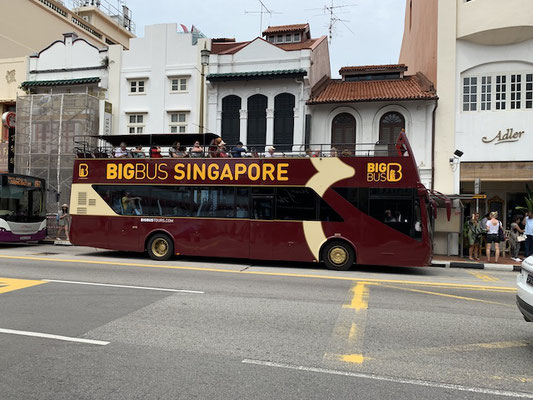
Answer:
(373, 68)
(306, 44)
(233, 47)
(285, 28)
(227, 47)
(415, 87)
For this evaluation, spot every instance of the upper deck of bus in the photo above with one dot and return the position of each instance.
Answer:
(364, 164)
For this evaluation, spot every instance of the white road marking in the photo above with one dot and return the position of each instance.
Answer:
(126, 286)
(392, 379)
(56, 337)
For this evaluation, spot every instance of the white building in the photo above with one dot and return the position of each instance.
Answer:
(479, 53)
(371, 105)
(161, 82)
(258, 90)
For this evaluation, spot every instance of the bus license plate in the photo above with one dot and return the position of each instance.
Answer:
(25, 237)
(529, 279)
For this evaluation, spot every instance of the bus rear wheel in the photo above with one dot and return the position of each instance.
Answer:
(338, 256)
(160, 247)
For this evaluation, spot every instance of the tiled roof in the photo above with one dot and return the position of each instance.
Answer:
(227, 47)
(285, 28)
(60, 82)
(306, 44)
(374, 68)
(256, 75)
(415, 87)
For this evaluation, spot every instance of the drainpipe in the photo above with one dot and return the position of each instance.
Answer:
(433, 146)
(302, 107)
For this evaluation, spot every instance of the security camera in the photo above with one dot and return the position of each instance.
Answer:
(458, 153)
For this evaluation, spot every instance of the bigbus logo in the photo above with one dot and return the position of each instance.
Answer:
(83, 170)
(383, 172)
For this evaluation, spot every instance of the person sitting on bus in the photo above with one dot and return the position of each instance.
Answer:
(138, 152)
(196, 150)
(128, 204)
(308, 152)
(388, 216)
(221, 152)
(270, 151)
(238, 150)
(333, 152)
(214, 147)
(155, 152)
(122, 151)
(175, 151)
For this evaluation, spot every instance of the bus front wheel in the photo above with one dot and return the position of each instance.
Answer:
(160, 247)
(338, 255)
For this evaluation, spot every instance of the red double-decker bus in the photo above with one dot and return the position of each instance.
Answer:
(369, 209)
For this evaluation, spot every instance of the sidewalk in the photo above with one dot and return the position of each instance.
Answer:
(504, 263)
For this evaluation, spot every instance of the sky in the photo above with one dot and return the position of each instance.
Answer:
(377, 25)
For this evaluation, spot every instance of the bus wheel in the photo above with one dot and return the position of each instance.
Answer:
(338, 256)
(160, 247)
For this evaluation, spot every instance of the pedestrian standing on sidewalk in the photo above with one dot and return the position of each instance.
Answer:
(493, 235)
(474, 237)
(63, 222)
(513, 238)
(528, 222)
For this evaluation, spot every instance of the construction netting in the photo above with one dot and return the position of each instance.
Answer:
(45, 140)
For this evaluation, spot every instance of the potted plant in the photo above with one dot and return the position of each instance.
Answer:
(528, 200)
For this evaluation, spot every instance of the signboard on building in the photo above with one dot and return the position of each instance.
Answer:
(108, 118)
(4, 157)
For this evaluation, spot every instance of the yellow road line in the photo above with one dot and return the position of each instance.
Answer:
(483, 277)
(9, 285)
(449, 295)
(360, 297)
(248, 272)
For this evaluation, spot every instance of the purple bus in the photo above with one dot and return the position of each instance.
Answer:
(22, 208)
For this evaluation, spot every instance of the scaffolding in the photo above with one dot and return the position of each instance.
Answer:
(45, 140)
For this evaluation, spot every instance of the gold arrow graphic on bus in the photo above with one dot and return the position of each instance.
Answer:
(9, 285)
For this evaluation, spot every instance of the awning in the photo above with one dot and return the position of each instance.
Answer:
(60, 82)
(512, 171)
(256, 75)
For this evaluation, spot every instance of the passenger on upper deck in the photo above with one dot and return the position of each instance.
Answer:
(175, 151)
(155, 152)
(138, 152)
(196, 151)
(238, 150)
(270, 151)
(122, 151)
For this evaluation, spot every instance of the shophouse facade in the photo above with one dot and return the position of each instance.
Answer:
(258, 89)
(480, 55)
(161, 82)
(370, 105)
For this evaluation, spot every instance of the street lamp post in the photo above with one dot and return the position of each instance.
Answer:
(204, 60)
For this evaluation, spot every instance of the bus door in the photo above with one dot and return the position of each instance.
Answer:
(261, 238)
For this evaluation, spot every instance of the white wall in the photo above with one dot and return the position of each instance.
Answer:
(161, 54)
(472, 126)
(269, 88)
(418, 126)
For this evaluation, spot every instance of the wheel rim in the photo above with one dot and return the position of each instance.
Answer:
(160, 247)
(338, 255)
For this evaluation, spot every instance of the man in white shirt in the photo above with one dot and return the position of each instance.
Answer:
(270, 151)
(122, 151)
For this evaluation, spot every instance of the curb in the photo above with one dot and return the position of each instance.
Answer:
(460, 264)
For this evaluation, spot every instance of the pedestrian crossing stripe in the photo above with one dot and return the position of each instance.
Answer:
(10, 285)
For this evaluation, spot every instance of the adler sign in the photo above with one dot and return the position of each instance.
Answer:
(505, 137)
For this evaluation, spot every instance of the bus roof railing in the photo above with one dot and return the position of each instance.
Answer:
(103, 146)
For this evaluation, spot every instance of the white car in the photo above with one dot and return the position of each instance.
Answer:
(524, 281)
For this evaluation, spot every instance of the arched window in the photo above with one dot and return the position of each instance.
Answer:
(256, 130)
(343, 132)
(284, 121)
(231, 122)
(390, 126)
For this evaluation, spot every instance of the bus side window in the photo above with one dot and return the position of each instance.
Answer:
(242, 203)
(263, 207)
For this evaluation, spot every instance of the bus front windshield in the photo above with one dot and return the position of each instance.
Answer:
(21, 204)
